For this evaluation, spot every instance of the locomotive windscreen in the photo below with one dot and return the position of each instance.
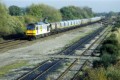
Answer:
(30, 27)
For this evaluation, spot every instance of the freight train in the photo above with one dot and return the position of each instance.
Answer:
(41, 29)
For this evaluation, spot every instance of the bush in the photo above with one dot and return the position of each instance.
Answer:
(117, 24)
(15, 25)
(9, 25)
(114, 29)
(97, 63)
(110, 45)
(3, 20)
(21, 19)
(106, 60)
(110, 49)
(95, 74)
(113, 73)
(111, 40)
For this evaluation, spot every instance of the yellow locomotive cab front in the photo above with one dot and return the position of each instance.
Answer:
(31, 33)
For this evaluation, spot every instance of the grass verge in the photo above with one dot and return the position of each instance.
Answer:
(6, 69)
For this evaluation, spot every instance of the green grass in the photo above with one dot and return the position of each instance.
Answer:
(6, 69)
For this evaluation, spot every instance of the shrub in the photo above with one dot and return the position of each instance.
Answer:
(114, 29)
(97, 63)
(111, 40)
(113, 73)
(9, 25)
(21, 19)
(110, 49)
(18, 25)
(106, 60)
(95, 74)
(15, 25)
(3, 20)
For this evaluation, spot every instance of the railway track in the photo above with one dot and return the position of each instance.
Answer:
(41, 73)
(6, 45)
(6, 41)
(40, 70)
(80, 69)
(81, 42)
(84, 62)
(70, 68)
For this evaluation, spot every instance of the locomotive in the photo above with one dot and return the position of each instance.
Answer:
(43, 28)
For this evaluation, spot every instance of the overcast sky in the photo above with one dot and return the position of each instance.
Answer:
(96, 5)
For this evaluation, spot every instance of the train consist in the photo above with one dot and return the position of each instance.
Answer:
(41, 29)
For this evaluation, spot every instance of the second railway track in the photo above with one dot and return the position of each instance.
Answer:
(4, 46)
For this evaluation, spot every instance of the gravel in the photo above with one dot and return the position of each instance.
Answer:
(40, 51)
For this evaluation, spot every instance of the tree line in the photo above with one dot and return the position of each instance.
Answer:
(14, 19)
(109, 14)
(42, 10)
